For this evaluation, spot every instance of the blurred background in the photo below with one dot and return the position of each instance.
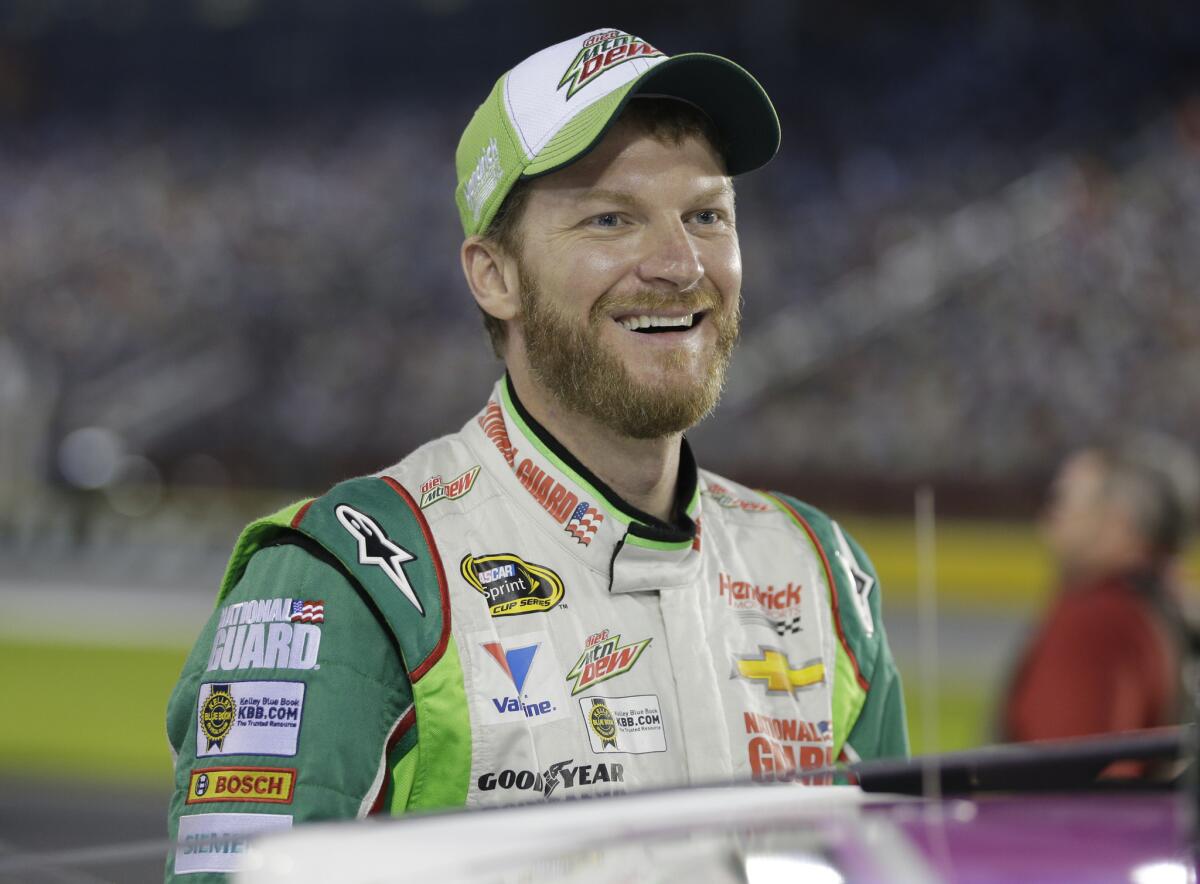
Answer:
(229, 278)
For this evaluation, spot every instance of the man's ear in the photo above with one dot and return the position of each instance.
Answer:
(492, 276)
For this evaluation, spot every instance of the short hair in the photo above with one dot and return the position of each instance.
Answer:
(670, 120)
(1158, 478)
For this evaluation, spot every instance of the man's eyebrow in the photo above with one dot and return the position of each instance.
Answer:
(722, 190)
(599, 194)
(620, 197)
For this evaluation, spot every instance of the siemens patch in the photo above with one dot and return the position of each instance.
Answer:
(215, 842)
(511, 585)
(268, 634)
(249, 718)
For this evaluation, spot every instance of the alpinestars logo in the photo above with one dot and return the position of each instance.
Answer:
(862, 582)
(600, 53)
(376, 548)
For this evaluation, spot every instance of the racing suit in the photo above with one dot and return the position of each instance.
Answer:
(487, 623)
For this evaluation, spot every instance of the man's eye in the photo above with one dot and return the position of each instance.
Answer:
(708, 216)
(611, 219)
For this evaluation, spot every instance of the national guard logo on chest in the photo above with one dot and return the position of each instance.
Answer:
(512, 585)
(788, 749)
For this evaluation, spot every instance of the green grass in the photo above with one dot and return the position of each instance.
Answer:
(89, 713)
(964, 718)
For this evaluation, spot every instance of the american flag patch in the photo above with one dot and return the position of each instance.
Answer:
(584, 522)
(308, 611)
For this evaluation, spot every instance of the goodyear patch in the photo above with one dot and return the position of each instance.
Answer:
(512, 585)
(266, 785)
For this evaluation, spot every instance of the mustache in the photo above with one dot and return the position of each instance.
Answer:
(699, 301)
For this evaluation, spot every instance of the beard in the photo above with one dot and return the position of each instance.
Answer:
(590, 379)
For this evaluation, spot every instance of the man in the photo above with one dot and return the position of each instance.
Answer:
(1109, 654)
(554, 602)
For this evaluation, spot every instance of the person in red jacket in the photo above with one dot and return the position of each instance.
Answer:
(1109, 654)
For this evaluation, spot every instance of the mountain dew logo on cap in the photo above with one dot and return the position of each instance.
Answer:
(600, 53)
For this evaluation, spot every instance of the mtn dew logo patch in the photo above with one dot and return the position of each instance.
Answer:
(603, 52)
(604, 657)
(435, 488)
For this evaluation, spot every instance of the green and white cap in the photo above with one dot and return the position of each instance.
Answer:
(553, 107)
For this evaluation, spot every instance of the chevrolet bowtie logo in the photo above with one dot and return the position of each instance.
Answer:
(775, 668)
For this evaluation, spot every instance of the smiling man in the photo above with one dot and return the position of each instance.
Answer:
(554, 602)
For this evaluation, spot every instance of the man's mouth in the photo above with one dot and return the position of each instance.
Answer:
(653, 324)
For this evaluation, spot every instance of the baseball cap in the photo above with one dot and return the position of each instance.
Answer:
(556, 105)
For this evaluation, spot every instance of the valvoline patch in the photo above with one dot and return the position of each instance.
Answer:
(514, 661)
(514, 679)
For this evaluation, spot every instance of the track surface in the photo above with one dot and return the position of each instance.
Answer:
(55, 817)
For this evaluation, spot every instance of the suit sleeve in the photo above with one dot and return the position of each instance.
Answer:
(881, 730)
(293, 706)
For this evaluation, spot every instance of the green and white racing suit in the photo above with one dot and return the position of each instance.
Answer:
(487, 623)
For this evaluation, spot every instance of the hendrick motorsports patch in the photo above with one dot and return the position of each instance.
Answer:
(266, 785)
(512, 585)
(249, 718)
(216, 842)
(632, 725)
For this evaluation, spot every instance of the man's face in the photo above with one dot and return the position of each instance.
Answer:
(1085, 528)
(630, 283)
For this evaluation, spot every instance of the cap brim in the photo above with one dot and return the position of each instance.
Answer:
(732, 98)
(735, 102)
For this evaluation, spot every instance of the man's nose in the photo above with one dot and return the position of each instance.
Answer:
(671, 256)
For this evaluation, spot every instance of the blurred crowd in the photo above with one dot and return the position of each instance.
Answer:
(991, 338)
(274, 299)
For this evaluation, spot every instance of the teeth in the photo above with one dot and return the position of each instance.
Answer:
(633, 323)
